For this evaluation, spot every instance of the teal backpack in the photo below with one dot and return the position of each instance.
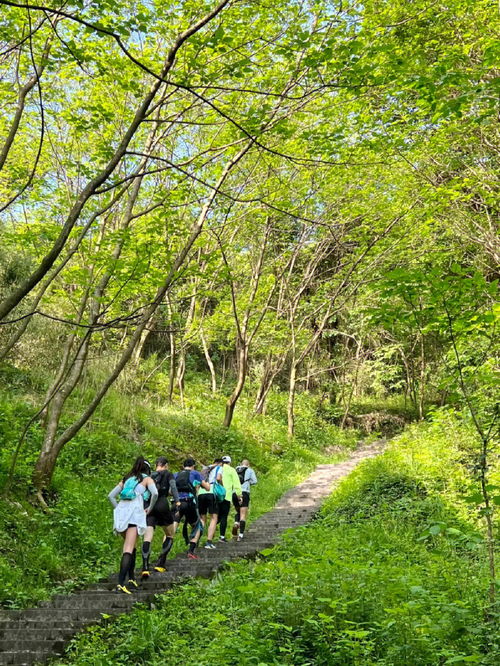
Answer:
(128, 490)
(218, 489)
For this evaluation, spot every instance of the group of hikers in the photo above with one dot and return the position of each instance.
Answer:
(141, 503)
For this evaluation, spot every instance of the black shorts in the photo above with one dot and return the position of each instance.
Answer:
(188, 509)
(246, 499)
(207, 504)
(161, 515)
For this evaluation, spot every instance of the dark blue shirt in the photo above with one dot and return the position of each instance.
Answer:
(195, 479)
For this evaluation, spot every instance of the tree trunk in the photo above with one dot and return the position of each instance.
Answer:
(421, 392)
(291, 400)
(270, 372)
(181, 373)
(137, 355)
(242, 368)
(210, 363)
(50, 451)
(173, 355)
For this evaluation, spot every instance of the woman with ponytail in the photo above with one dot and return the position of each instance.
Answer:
(129, 517)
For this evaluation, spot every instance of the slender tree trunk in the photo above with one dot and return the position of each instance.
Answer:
(353, 386)
(421, 396)
(210, 363)
(271, 370)
(173, 354)
(181, 373)
(136, 357)
(21, 103)
(224, 369)
(292, 384)
(242, 369)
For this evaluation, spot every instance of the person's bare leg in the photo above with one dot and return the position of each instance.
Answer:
(130, 538)
(212, 527)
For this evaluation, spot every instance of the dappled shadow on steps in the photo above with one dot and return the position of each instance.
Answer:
(36, 634)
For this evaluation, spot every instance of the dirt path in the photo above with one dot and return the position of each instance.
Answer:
(35, 634)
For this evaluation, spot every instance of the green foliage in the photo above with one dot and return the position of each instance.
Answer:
(393, 572)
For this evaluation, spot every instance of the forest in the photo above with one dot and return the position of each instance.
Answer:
(269, 229)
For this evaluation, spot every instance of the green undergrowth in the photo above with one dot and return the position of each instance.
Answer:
(393, 573)
(72, 544)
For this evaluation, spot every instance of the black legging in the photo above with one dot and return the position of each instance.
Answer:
(224, 508)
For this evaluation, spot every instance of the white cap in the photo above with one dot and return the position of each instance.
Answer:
(226, 459)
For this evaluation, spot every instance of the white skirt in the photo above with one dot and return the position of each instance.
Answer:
(130, 512)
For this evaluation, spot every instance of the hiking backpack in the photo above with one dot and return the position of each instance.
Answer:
(128, 490)
(162, 481)
(183, 482)
(241, 471)
(217, 488)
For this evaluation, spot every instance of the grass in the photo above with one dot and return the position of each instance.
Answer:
(370, 582)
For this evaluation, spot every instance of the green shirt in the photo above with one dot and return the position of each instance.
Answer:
(230, 481)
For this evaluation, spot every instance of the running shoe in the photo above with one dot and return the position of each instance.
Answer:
(121, 589)
(210, 546)
(236, 527)
(145, 574)
(160, 569)
(192, 556)
(222, 539)
(132, 584)
(240, 537)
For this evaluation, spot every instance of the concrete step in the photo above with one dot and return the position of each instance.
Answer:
(65, 615)
(22, 657)
(32, 645)
(101, 601)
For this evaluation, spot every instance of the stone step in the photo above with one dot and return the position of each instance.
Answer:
(64, 615)
(102, 602)
(44, 633)
(32, 645)
(22, 657)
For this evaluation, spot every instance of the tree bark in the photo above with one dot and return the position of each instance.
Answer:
(291, 400)
(209, 361)
(242, 369)
(271, 371)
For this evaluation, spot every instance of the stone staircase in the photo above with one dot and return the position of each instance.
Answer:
(36, 634)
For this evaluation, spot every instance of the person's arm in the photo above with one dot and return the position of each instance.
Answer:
(114, 494)
(252, 479)
(151, 486)
(205, 484)
(173, 489)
